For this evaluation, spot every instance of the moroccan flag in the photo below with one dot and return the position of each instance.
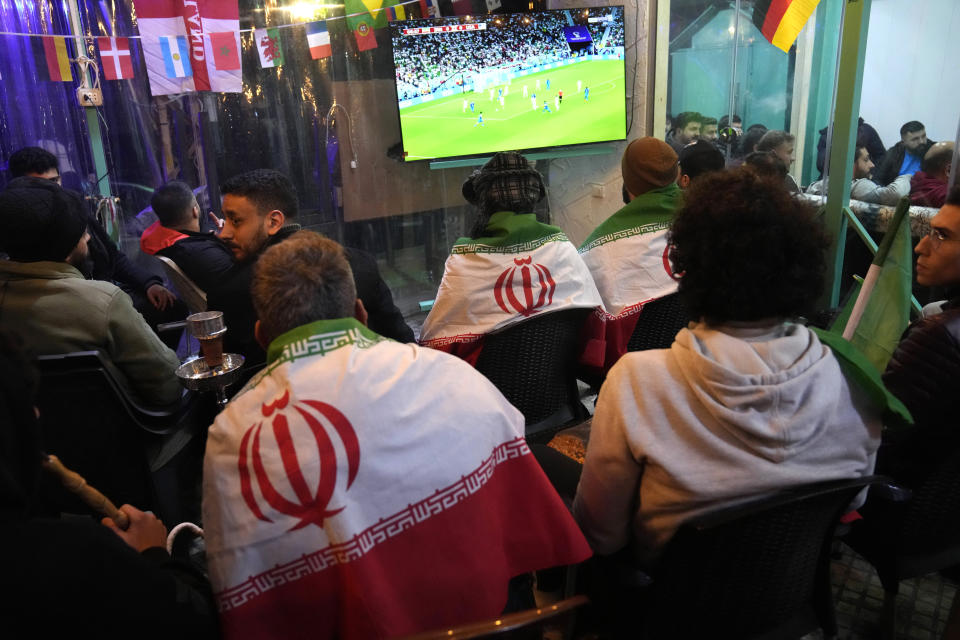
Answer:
(58, 58)
(225, 46)
(780, 21)
(318, 39)
(268, 46)
(362, 22)
(115, 59)
(875, 322)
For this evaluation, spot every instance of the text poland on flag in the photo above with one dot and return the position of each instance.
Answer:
(192, 21)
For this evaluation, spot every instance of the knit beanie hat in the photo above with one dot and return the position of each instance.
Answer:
(39, 220)
(648, 163)
(506, 182)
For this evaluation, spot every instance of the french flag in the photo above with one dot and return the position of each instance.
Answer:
(318, 39)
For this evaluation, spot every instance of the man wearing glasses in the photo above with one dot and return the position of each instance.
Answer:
(154, 301)
(925, 369)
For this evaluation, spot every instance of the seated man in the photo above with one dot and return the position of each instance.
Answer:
(176, 235)
(906, 156)
(697, 159)
(766, 163)
(928, 188)
(46, 299)
(626, 253)
(924, 371)
(745, 401)
(362, 488)
(865, 189)
(108, 263)
(257, 207)
(528, 266)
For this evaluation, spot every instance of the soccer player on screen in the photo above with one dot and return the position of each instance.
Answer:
(524, 91)
(501, 101)
(472, 105)
(491, 94)
(533, 102)
(479, 121)
(548, 84)
(586, 94)
(538, 84)
(556, 103)
(560, 95)
(579, 85)
(465, 103)
(546, 107)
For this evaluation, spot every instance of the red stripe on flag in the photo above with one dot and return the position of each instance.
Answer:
(53, 62)
(423, 9)
(774, 16)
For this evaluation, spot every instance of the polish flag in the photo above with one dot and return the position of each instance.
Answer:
(115, 58)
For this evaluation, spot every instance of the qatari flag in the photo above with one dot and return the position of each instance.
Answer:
(194, 20)
(362, 488)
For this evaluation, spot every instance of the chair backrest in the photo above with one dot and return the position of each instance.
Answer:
(193, 296)
(96, 429)
(931, 518)
(659, 323)
(751, 568)
(534, 364)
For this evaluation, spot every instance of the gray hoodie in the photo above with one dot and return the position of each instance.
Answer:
(726, 413)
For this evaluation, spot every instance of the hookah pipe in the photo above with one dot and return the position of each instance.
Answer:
(75, 483)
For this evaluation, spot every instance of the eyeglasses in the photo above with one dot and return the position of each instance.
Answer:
(936, 237)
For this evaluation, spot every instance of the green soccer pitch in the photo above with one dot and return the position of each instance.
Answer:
(442, 127)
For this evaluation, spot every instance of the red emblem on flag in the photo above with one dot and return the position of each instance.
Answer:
(311, 506)
(528, 302)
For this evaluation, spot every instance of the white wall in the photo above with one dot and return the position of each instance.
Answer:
(911, 70)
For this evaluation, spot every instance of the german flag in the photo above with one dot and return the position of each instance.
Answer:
(780, 21)
(58, 58)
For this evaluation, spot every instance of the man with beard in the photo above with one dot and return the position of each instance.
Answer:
(258, 207)
(866, 190)
(906, 156)
(46, 299)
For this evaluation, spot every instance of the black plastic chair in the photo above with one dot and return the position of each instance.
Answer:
(534, 364)
(759, 569)
(659, 323)
(906, 534)
(98, 430)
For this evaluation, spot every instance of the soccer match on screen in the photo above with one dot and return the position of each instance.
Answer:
(474, 85)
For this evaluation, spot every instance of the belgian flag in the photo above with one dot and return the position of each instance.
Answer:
(780, 21)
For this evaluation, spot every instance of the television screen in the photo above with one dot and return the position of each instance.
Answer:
(474, 85)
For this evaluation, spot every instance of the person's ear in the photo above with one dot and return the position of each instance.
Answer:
(275, 221)
(359, 312)
(196, 211)
(683, 181)
(260, 335)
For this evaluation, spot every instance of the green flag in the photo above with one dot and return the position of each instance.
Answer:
(886, 312)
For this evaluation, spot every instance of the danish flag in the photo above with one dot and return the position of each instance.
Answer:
(115, 58)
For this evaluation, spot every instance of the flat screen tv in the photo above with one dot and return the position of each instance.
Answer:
(475, 85)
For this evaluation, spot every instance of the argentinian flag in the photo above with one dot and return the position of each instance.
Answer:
(176, 56)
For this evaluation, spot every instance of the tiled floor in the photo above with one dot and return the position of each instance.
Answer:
(923, 604)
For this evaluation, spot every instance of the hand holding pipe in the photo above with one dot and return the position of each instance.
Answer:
(76, 483)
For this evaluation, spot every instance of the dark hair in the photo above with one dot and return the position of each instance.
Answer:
(750, 139)
(700, 158)
(746, 249)
(911, 127)
(31, 160)
(172, 203)
(725, 120)
(266, 188)
(766, 163)
(681, 121)
(706, 121)
(953, 198)
(856, 151)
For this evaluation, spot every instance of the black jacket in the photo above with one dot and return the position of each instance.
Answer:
(232, 296)
(866, 135)
(201, 256)
(889, 169)
(112, 265)
(924, 373)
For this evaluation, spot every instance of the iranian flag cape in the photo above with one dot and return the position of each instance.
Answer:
(363, 488)
(627, 255)
(520, 268)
